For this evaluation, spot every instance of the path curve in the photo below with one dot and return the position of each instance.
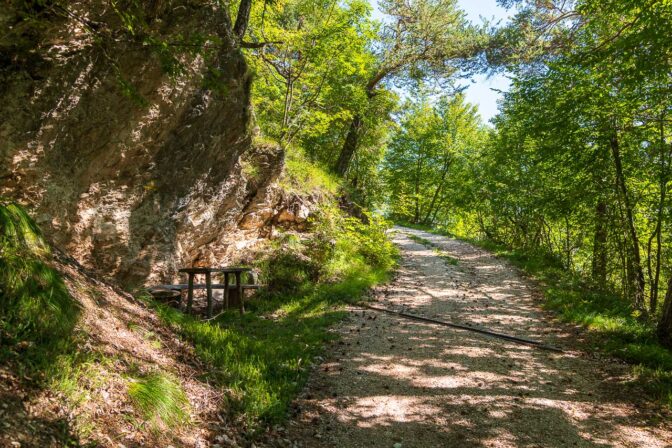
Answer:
(391, 382)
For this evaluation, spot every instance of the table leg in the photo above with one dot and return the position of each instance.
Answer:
(239, 284)
(208, 287)
(190, 293)
(226, 290)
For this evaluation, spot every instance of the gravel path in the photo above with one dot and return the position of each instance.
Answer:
(393, 382)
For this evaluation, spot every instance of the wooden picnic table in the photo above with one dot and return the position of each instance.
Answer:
(236, 271)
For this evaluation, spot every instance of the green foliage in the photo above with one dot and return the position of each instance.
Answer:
(426, 164)
(355, 243)
(263, 357)
(37, 313)
(160, 399)
(329, 65)
(579, 165)
(337, 245)
(311, 78)
(426, 40)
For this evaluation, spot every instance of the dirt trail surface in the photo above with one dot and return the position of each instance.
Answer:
(393, 382)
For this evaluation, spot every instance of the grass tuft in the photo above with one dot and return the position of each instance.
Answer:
(160, 399)
(420, 240)
(440, 253)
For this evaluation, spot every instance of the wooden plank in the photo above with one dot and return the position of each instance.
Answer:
(226, 290)
(239, 284)
(190, 294)
(208, 287)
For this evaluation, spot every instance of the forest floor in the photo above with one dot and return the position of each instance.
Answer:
(393, 382)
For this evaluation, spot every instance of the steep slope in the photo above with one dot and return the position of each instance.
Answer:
(126, 145)
(83, 362)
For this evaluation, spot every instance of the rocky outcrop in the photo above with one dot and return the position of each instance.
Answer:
(130, 169)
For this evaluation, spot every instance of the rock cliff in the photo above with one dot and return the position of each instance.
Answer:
(131, 146)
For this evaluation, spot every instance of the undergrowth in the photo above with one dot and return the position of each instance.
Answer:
(611, 321)
(263, 357)
(40, 342)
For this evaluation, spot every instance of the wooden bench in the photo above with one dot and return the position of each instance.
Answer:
(239, 287)
(184, 286)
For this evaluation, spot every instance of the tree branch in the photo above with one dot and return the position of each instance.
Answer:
(260, 44)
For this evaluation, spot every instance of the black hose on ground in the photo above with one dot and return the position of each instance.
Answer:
(493, 334)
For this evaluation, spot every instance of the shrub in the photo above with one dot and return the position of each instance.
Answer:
(337, 246)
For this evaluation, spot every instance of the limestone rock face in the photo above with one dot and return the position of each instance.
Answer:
(132, 171)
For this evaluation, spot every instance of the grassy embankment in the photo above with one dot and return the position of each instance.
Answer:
(613, 325)
(45, 348)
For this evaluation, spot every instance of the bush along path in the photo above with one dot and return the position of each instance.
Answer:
(396, 382)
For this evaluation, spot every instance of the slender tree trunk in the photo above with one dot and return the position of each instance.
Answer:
(242, 18)
(599, 262)
(664, 329)
(654, 272)
(436, 212)
(444, 172)
(653, 297)
(350, 146)
(635, 273)
(289, 96)
(418, 167)
(568, 244)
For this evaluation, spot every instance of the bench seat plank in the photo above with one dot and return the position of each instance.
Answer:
(183, 286)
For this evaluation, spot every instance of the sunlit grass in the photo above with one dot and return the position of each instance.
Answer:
(160, 399)
(264, 356)
(303, 176)
(37, 313)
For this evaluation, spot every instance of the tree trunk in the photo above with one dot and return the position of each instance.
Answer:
(242, 18)
(444, 172)
(418, 168)
(568, 244)
(436, 212)
(352, 139)
(665, 323)
(599, 262)
(635, 273)
(350, 146)
(654, 273)
(653, 297)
